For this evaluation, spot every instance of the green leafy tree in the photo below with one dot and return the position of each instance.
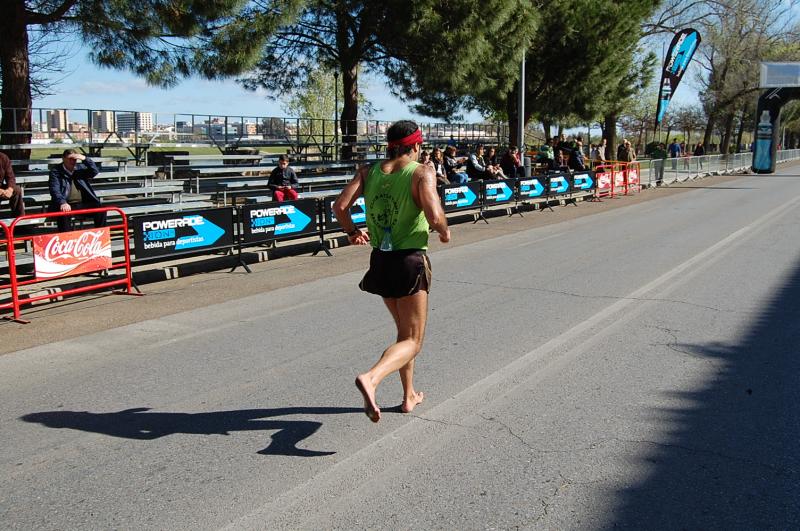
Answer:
(141, 35)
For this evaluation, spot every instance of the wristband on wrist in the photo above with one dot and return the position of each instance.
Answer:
(352, 232)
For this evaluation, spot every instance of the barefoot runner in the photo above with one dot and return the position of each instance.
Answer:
(402, 205)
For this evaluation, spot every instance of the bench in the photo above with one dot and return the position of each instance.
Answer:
(37, 177)
(189, 158)
(143, 191)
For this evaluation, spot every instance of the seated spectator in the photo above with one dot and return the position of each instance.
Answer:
(283, 181)
(511, 164)
(490, 157)
(451, 165)
(478, 170)
(8, 187)
(560, 163)
(70, 188)
(438, 165)
(546, 153)
(576, 160)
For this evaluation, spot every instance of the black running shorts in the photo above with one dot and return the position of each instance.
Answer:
(395, 274)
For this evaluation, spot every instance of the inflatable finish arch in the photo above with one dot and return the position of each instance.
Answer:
(781, 83)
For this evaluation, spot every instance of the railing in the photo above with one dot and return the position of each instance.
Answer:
(99, 128)
(681, 169)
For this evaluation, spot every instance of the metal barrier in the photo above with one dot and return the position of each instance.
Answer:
(9, 247)
(56, 256)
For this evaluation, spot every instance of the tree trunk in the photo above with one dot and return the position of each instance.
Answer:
(740, 133)
(712, 117)
(610, 130)
(724, 147)
(15, 99)
(348, 118)
(513, 115)
(547, 125)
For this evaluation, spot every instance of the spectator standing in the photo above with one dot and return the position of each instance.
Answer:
(283, 181)
(70, 188)
(659, 157)
(674, 152)
(9, 188)
(625, 152)
(451, 166)
(700, 151)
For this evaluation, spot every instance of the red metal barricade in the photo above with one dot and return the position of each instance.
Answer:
(604, 178)
(617, 178)
(6, 241)
(633, 177)
(67, 247)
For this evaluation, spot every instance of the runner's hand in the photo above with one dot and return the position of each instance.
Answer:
(359, 238)
(444, 238)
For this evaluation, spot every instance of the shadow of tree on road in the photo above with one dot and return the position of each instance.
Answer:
(732, 458)
(143, 424)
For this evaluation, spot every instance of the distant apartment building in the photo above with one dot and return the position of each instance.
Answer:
(246, 129)
(129, 121)
(57, 120)
(103, 121)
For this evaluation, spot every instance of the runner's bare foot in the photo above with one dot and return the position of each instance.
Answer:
(411, 402)
(368, 392)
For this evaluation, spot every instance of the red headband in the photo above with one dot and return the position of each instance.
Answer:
(410, 140)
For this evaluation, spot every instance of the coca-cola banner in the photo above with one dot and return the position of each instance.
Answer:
(71, 253)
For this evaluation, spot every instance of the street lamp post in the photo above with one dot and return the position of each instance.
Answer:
(336, 114)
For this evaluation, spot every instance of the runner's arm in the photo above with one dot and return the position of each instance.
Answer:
(341, 207)
(430, 203)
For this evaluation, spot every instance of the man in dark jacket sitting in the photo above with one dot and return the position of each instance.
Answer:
(283, 181)
(70, 188)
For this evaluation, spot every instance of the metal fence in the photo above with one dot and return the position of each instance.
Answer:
(677, 170)
(98, 127)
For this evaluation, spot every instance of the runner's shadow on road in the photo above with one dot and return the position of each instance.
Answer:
(143, 424)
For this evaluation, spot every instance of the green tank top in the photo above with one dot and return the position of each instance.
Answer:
(394, 220)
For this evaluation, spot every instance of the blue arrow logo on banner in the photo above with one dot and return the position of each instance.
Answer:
(583, 182)
(297, 222)
(207, 234)
(468, 199)
(538, 188)
(501, 193)
(559, 184)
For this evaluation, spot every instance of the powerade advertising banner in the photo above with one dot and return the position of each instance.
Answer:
(677, 59)
(560, 183)
(358, 212)
(274, 221)
(583, 181)
(499, 191)
(461, 196)
(175, 233)
(532, 188)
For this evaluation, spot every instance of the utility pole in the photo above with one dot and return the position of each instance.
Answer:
(521, 106)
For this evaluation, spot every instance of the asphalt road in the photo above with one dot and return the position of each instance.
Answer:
(636, 368)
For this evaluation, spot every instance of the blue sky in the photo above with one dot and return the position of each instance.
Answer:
(88, 86)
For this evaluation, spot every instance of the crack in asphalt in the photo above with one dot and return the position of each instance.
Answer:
(673, 345)
(581, 295)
